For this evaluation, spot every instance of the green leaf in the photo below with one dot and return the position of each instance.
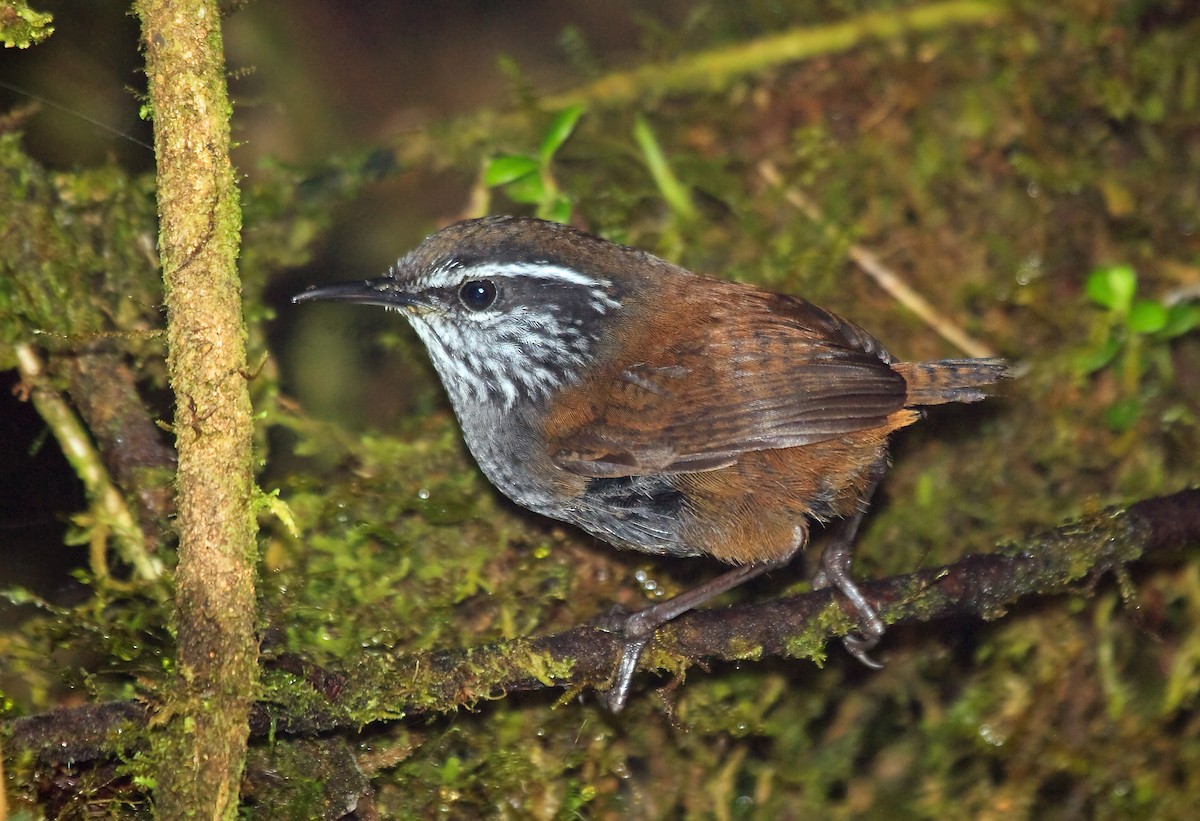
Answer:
(557, 210)
(18, 595)
(507, 168)
(1094, 360)
(1146, 317)
(1112, 287)
(1182, 318)
(451, 770)
(529, 189)
(676, 194)
(1123, 415)
(560, 130)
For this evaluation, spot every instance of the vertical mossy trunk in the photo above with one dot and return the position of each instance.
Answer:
(203, 754)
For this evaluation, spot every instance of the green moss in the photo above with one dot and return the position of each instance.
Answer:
(78, 261)
(22, 27)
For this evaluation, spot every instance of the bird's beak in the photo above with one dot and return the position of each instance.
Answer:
(385, 291)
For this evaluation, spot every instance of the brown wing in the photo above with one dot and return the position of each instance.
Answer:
(712, 380)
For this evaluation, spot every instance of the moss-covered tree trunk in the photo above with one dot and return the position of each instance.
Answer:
(206, 725)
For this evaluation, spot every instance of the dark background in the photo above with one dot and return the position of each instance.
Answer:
(308, 79)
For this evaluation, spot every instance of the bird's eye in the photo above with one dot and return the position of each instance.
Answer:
(477, 294)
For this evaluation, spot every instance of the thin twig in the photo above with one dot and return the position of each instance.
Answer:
(885, 277)
(111, 510)
(715, 69)
(711, 71)
(3, 783)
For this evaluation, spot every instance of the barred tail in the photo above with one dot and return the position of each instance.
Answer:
(950, 380)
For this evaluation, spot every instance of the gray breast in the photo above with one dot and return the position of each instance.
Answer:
(504, 445)
(638, 512)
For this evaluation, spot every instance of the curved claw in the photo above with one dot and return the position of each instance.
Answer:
(835, 572)
(860, 647)
(820, 579)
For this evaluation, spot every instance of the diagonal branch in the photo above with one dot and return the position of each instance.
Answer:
(306, 699)
(77, 447)
(718, 68)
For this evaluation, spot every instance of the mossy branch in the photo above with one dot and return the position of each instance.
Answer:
(103, 388)
(388, 686)
(718, 68)
(710, 71)
(201, 754)
(305, 699)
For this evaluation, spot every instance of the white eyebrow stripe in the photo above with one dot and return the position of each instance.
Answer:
(453, 273)
(541, 270)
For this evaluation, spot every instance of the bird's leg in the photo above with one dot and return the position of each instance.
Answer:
(835, 571)
(638, 628)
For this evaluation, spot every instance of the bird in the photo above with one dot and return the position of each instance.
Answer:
(657, 409)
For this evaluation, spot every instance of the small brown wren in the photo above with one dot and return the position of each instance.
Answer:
(657, 409)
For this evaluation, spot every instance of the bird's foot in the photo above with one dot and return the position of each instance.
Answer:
(634, 632)
(835, 572)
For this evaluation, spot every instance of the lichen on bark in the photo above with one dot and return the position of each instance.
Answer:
(202, 753)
